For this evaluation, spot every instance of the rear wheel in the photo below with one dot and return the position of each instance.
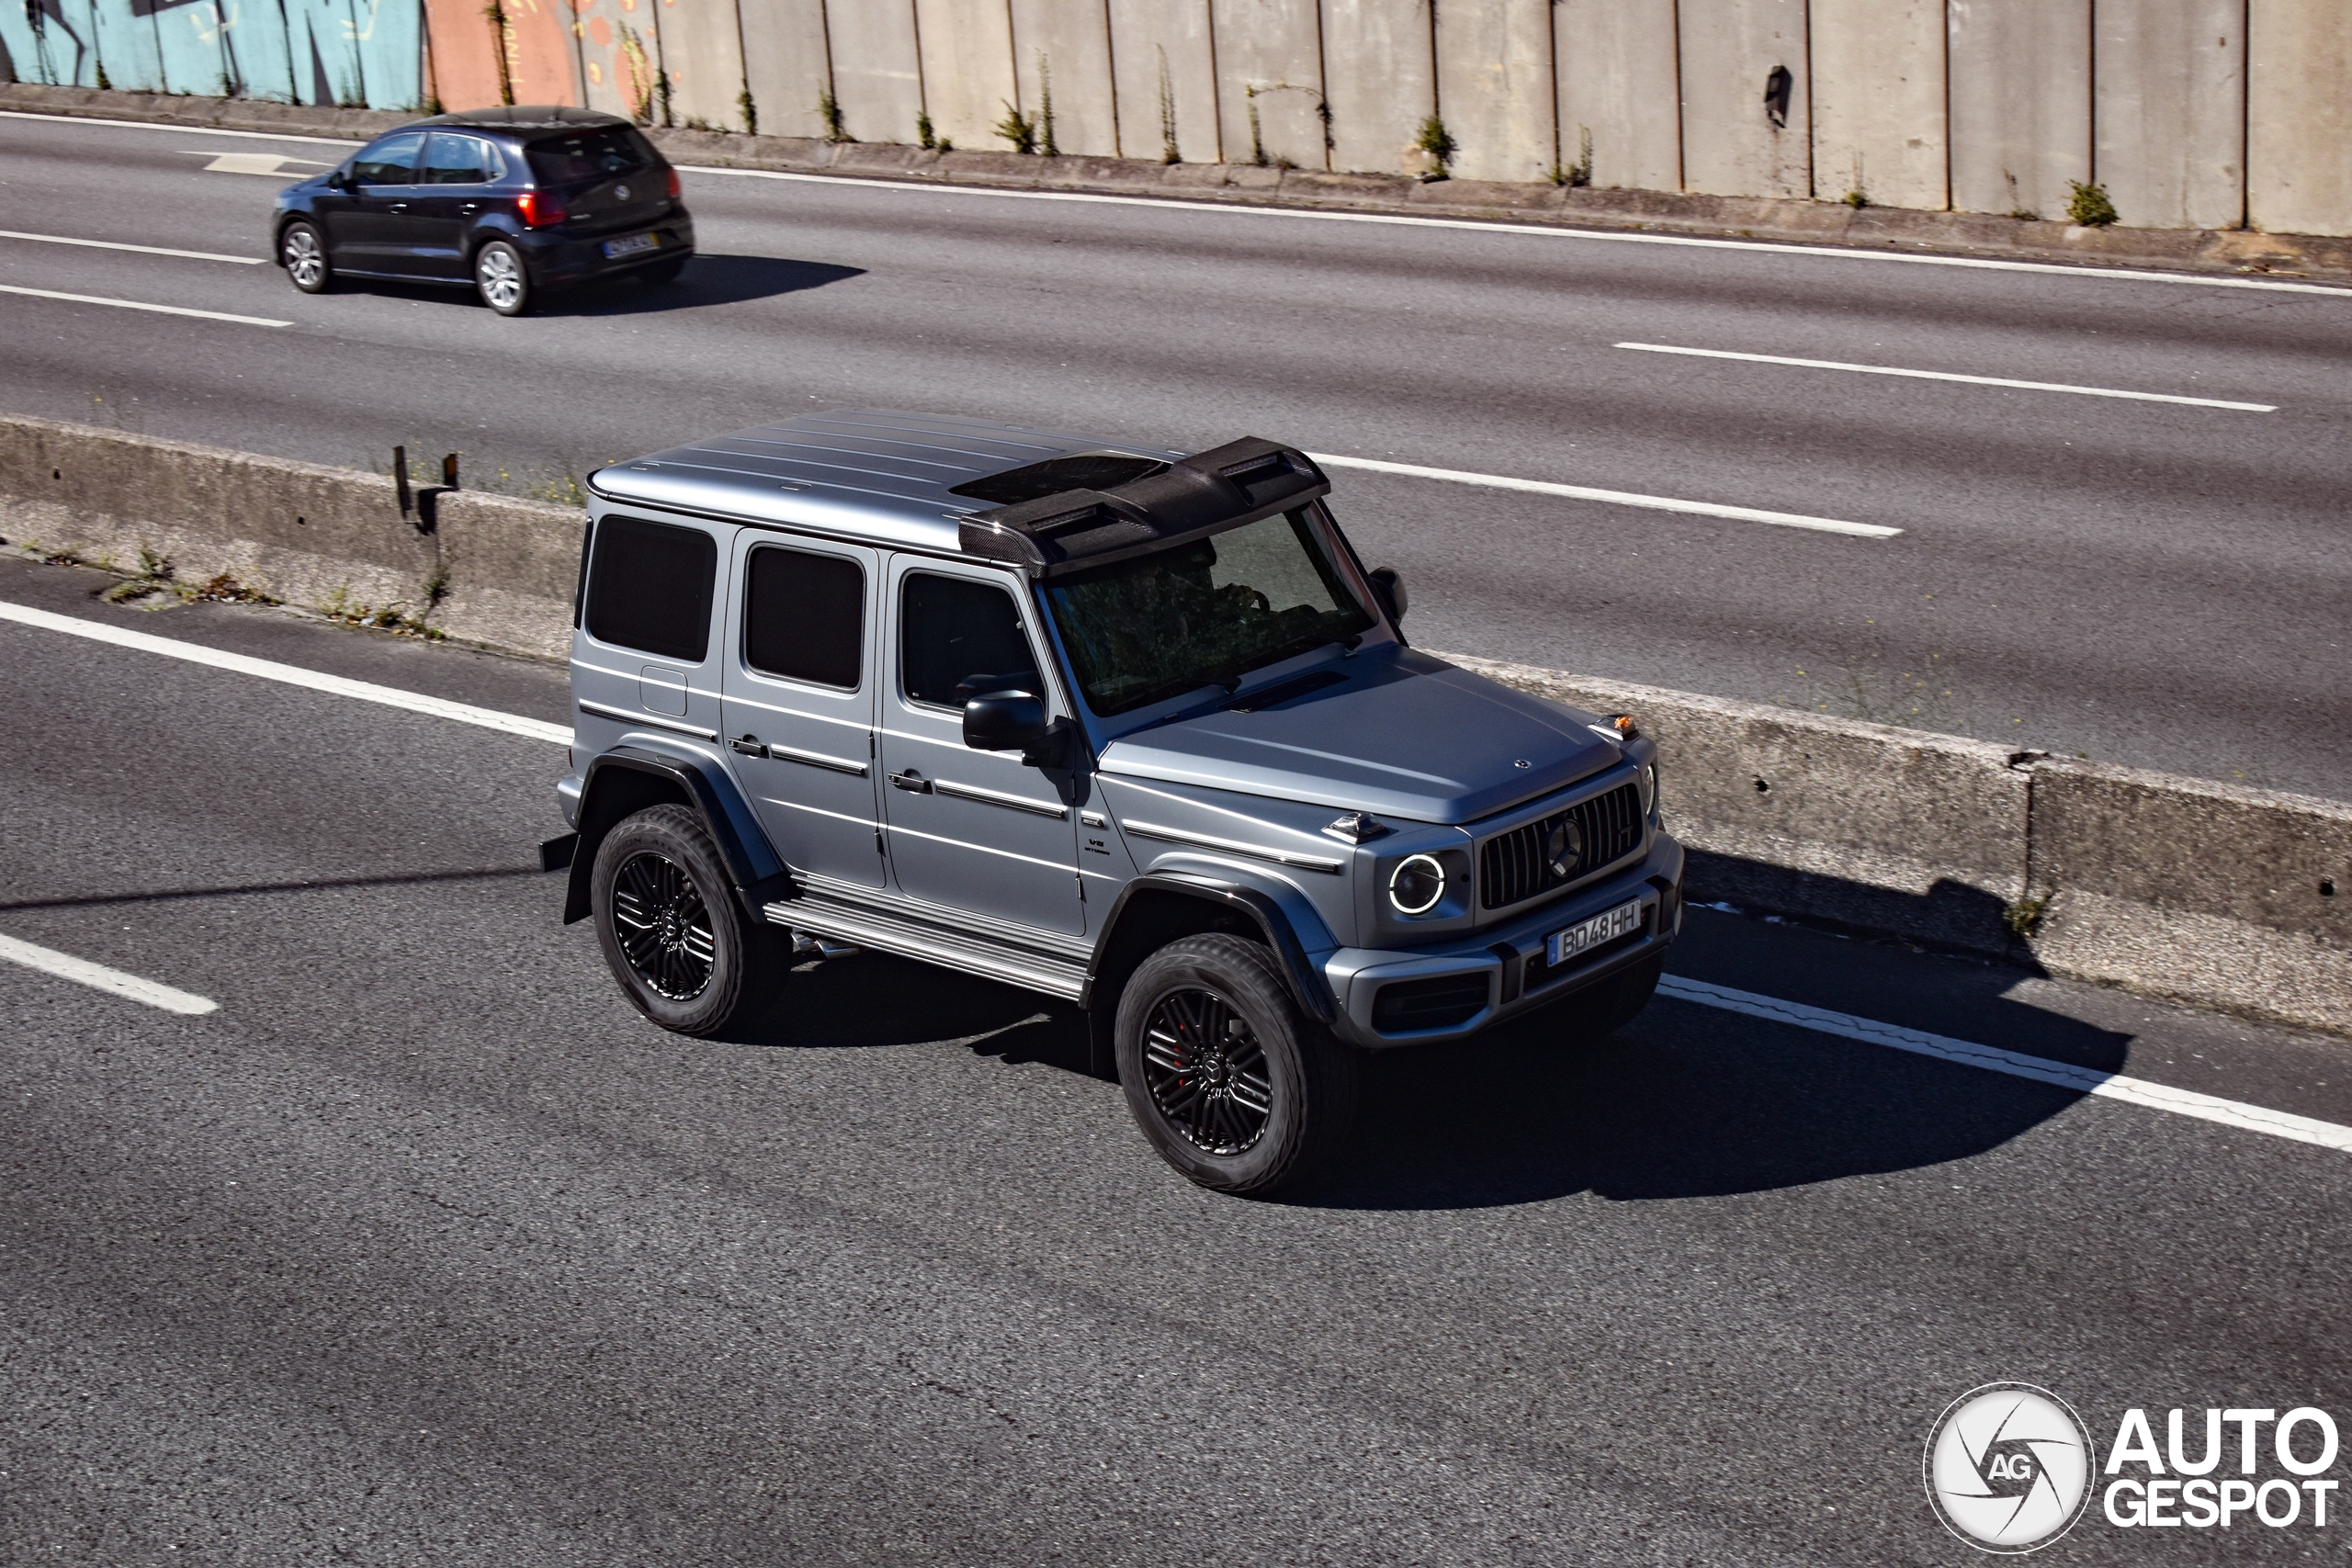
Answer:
(1233, 1085)
(302, 250)
(500, 278)
(673, 932)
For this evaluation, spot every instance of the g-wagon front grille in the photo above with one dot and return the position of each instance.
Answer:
(1514, 866)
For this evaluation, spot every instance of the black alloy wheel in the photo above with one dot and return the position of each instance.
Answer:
(662, 926)
(1234, 1087)
(685, 952)
(1205, 1071)
(302, 251)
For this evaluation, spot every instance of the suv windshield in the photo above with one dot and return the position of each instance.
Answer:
(589, 155)
(1151, 628)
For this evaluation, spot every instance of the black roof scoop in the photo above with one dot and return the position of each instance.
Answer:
(1140, 509)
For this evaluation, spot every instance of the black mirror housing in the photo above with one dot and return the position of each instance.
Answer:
(1004, 721)
(1391, 589)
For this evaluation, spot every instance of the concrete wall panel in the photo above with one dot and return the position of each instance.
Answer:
(1163, 57)
(126, 47)
(1270, 65)
(703, 52)
(1616, 65)
(2169, 111)
(967, 69)
(254, 45)
(2020, 104)
(1878, 101)
(1495, 87)
(1380, 74)
(1067, 43)
(465, 54)
(619, 49)
(784, 64)
(876, 75)
(2299, 159)
(1730, 146)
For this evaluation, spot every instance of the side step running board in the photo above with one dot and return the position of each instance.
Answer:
(949, 949)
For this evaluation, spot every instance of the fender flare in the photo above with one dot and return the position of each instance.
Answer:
(758, 872)
(1308, 987)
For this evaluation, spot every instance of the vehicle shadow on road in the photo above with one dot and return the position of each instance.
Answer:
(1687, 1102)
(873, 999)
(707, 280)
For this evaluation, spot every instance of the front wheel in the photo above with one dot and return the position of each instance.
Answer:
(500, 278)
(674, 934)
(1232, 1084)
(303, 253)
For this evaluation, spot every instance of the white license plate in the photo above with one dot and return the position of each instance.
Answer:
(632, 245)
(1586, 935)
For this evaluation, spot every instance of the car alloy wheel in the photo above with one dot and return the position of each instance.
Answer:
(662, 926)
(499, 276)
(1207, 1072)
(305, 258)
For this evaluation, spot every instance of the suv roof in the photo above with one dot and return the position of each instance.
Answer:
(524, 118)
(885, 476)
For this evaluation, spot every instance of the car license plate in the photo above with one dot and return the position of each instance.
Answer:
(1586, 935)
(632, 245)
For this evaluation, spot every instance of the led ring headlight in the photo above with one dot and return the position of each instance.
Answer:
(1417, 884)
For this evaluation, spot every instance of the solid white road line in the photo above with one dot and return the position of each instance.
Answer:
(1948, 375)
(143, 250)
(141, 305)
(1615, 497)
(2232, 1114)
(291, 674)
(1493, 226)
(177, 129)
(65, 967)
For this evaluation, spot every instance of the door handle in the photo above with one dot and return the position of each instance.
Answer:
(748, 746)
(398, 207)
(469, 207)
(911, 782)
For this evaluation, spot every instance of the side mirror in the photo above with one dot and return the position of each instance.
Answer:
(1391, 589)
(1004, 721)
(339, 180)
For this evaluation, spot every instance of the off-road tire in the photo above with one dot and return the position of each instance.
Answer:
(302, 254)
(1310, 1077)
(502, 279)
(1609, 1005)
(746, 958)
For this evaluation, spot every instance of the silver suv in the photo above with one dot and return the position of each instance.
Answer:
(1130, 728)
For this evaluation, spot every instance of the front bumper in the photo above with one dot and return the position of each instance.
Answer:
(1509, 957)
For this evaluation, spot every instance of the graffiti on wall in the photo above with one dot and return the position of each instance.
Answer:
(353, 53)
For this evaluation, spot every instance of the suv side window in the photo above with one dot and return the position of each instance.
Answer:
(392, 161)
(452, 160)
(804, 616)
(649, 587)
(958, 637)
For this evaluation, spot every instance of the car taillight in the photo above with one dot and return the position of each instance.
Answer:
(539, 207)
(673, 185)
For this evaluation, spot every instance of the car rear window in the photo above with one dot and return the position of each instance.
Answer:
(590, 156)
(649, 587)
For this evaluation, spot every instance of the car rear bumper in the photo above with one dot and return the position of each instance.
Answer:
(1508, 960)
(556, 258)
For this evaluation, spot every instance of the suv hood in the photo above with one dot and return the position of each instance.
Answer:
(1404, 736)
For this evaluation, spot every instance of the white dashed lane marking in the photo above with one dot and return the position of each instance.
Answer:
(81, 971)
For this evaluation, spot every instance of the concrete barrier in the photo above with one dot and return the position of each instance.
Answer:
(2021, 105)
(2198, 892)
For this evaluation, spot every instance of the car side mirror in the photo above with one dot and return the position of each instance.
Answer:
(1391, 589)
(339, 180)
(1004, 721)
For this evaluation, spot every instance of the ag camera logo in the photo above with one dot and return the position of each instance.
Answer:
(2008, 1467)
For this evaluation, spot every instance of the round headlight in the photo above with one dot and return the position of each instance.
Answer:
(1417, 884)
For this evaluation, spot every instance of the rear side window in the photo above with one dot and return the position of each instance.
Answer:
(804, 616)
(649, 587)
(590, 156)
(957, 639)
(452, 160)
(392, 161)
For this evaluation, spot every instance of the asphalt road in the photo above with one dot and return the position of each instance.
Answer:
(423, 1248)
(2158, 584)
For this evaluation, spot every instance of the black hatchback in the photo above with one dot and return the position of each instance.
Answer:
(507, 201)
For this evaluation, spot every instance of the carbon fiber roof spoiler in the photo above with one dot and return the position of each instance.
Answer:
(1226, 487)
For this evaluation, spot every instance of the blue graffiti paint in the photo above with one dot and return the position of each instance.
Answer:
(311, 52)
